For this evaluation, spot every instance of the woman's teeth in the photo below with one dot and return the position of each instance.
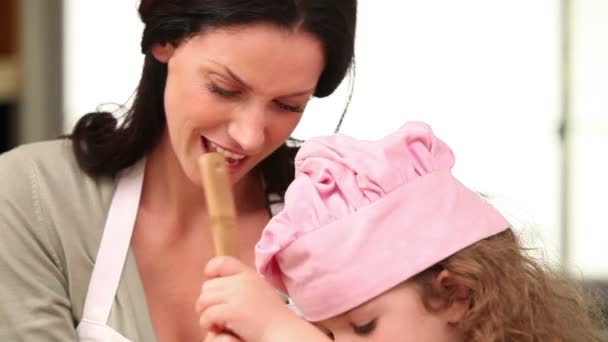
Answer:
(231, 157)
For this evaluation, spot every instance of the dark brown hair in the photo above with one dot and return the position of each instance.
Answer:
(103, 146)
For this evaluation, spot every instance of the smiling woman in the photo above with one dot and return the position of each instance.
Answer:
(94, 227)
(239, 91)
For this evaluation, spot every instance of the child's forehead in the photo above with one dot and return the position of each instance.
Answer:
(404, 295)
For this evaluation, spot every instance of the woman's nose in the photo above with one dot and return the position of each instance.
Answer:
(248, 129)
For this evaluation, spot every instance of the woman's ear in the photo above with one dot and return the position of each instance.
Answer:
(163, 51)
(446, 283)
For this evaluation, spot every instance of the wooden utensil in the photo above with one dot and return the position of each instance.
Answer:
(220, 203)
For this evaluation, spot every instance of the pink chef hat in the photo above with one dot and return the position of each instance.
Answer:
(363, 216)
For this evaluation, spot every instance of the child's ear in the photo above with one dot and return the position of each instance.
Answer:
(163, 51)
(447, 283)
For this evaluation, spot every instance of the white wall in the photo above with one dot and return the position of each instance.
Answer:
(484, 73)
(102, 58)
(589, 177)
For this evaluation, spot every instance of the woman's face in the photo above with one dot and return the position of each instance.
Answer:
(239, 91)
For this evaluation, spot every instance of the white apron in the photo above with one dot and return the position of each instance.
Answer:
(111, 258)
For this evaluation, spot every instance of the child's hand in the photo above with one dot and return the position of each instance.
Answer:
(237, 299)
(221, 337)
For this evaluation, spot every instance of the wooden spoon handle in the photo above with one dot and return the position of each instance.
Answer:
(220, 204)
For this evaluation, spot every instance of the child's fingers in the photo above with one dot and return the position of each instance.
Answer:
(214, 318)
(219, 287)
(223, 266)
(211, 337)
(208, 298)
(221, 337)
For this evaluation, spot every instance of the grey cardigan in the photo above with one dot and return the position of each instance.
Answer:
(51, 221)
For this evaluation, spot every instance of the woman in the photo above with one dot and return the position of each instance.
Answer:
(103, 236)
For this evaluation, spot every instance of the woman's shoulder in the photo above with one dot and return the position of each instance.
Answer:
(51, 220)
(46, 154)
(51, 163)
(23, 168)
(43, 183)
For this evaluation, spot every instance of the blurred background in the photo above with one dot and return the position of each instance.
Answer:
(519, 89)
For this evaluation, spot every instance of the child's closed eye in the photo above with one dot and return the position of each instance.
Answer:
(364, 329)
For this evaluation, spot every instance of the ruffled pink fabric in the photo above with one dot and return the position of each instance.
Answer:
(363, 216)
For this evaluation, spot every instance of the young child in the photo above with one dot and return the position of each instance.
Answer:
(379, 242)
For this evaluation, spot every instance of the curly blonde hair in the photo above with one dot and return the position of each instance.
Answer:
(514, 297)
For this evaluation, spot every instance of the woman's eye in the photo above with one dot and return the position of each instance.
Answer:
(214, 88)
(289, 108)
(221, 91)
(330, 335)
(364, 329)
